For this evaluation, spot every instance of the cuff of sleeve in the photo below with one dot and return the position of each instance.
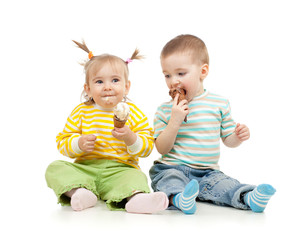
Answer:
(136, 147)
(75, 147)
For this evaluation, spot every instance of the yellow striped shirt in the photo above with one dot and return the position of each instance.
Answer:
(95, 120)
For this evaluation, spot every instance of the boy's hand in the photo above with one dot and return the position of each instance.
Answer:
(242, 132)
(125, 134)
(179, 111)
(86, 142)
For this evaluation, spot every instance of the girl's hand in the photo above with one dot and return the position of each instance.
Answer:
(87, 142)
(179, 111)
(125, 134)
(242, 132)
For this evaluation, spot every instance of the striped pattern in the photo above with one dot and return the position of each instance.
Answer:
(185, 201)
(259, 197)
(93, 119)
(198, 141)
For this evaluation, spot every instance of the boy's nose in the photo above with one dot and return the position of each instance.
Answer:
(175, 82)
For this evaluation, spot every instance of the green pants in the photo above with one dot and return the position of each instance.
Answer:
(109, 180)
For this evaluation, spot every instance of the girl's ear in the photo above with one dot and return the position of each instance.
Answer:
(87, 89)
(204, 71)
(127, 87)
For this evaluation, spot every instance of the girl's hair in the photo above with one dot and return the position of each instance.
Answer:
(94, 63)
(187, 44)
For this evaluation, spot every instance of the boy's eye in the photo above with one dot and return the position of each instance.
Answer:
(115, 80)
(182, 73)
(167, 76)
(99, 81)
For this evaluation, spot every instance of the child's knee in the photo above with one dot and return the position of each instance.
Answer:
(173, 175)
(51, 167)
(216, 184)
(170, 180)
(55, 164)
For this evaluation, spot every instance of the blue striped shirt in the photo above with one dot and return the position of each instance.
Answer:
(197, 144)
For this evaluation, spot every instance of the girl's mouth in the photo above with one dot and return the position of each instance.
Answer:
(107, 98)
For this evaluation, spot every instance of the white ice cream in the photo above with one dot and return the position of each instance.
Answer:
(122, 111)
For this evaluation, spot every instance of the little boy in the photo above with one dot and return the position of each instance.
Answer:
(188, 168)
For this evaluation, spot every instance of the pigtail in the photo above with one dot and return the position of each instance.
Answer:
(134, 56)
(84, 47)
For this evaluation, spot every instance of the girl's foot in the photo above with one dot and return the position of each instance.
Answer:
(147, 203)
(81, 198)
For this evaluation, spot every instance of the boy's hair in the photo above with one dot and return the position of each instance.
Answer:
(187, 44)
(95, 63)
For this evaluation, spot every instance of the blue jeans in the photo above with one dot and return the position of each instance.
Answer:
(215, 186)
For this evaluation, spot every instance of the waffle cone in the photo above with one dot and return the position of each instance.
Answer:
(182, 96)
(118, 123)
(182, 93)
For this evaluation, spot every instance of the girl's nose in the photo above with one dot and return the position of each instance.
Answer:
(107, 86)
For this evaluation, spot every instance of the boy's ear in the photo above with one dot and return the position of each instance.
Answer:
(204, 71)
(127, 87)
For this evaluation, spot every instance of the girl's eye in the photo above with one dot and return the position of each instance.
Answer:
(167, 76)
(115, 80)
(182, 73)
(99, 81)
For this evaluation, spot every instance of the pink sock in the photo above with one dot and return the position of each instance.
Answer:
(81, 198)
(147, 203)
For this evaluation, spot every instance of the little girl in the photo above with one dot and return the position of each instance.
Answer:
(106, 158)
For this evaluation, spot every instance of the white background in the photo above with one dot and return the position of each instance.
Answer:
(254, 49)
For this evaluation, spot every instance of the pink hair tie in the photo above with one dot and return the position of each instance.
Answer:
(128, 61)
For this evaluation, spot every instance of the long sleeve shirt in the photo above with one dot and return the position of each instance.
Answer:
(92, 119)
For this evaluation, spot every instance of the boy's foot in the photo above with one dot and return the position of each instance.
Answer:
(185, 200)
(259, 197)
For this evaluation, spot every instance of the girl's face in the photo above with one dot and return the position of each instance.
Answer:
(181, 71)
(108, 86)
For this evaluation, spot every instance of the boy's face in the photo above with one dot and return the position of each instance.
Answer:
(181, 71)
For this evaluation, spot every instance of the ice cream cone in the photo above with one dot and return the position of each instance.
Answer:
(121, 114)
(118, 123)
(182, 95)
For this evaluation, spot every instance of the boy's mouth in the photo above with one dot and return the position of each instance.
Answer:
(173, 92)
